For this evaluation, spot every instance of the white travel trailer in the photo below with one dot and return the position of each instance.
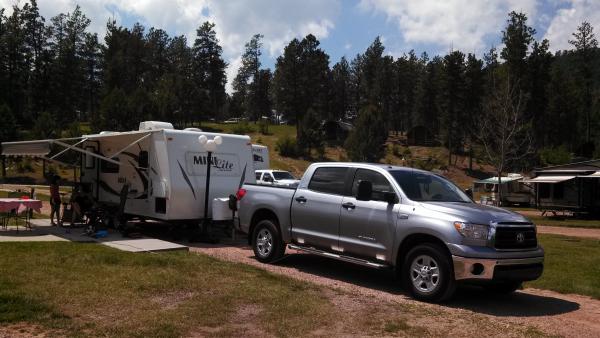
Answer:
(165, 168)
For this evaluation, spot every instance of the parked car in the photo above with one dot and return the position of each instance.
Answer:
(233, 120)
(415, 222)
(278, 178)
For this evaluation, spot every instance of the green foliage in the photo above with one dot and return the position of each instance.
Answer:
(312, 134)
(8, 127)
(366, 141)
(263, 126)
(555, 156)
(287, 146)
(45, 127)
(242, 128)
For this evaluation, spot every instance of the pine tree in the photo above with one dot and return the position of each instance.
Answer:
(585, 44)
(366, 141)
(517, 38)
(340, 85)
(209, 68)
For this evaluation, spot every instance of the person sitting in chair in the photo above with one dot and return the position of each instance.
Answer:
(81, 202)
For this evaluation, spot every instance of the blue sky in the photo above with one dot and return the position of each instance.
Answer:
(343, 27)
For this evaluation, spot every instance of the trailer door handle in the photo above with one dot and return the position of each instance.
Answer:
(348, 205)
(301, 199)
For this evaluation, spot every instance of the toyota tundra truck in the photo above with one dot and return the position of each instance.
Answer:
(415, 222)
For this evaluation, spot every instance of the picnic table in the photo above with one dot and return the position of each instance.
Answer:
(11, 207)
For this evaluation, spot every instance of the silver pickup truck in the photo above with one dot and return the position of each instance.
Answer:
(415, 222)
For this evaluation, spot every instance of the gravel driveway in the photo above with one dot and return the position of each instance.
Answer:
(550, 312)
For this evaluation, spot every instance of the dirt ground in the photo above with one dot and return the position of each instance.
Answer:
(549, 312)
(573, 232)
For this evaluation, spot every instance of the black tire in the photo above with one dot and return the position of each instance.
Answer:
(504, 287)
(431, 288)
(266, 242)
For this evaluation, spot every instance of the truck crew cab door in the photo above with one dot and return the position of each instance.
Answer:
(315, 211)
(367, 228)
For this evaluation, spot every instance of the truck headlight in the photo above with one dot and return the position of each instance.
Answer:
(472, 231)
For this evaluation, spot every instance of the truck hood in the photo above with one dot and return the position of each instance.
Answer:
(475, 213)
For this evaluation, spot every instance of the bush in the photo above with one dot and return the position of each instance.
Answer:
(242, 128)
(555, 156)
(287, 146)
(263, 126)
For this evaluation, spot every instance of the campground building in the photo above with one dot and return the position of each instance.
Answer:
(571, 187)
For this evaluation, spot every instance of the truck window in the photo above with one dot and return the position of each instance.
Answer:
(380, 183)
(329, 180)
(258, 176)
(267, 177)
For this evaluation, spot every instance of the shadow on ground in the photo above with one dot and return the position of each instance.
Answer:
(476, 299)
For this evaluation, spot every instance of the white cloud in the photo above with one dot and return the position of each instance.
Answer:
(236, 20)
(566, 21)
(461, 24)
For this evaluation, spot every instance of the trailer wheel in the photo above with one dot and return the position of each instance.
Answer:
(428, 273)
(266, 242)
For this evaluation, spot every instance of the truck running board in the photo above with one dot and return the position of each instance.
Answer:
(348, 259)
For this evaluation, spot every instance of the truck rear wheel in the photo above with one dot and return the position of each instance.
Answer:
(428, 273)
(266, 242)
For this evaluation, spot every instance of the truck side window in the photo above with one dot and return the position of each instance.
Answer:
(267, 177)
(380, 183)
(258, 176)
(329, 180)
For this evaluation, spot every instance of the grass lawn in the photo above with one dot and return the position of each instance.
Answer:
(86, 289)
(572, 265)
(564, 221)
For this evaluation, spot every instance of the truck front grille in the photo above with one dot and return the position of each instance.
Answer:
(515, 238)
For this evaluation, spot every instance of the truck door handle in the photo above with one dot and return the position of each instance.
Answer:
(301, 199)
(402, 216)
(349, 205)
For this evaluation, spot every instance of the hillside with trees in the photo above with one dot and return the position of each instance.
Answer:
(515, 108)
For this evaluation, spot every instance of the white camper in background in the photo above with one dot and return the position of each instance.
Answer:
(165, 168)
(260, 155)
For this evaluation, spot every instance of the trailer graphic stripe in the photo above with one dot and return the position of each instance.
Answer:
(187, 179)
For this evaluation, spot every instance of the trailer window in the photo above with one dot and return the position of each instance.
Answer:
(329, 180)
(143, 159)
(109, 167)
(90, 160)
(544, 190)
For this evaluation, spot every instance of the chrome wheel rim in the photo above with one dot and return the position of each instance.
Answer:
(425, 273)
(264, 242)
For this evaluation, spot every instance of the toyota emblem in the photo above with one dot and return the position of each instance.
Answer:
(520, 237)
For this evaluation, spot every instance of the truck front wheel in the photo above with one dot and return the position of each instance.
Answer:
(266, 242)
(428, 273)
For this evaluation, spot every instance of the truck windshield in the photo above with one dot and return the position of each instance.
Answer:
(282, 175)
(426, 187)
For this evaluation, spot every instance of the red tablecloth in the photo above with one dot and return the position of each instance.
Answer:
(8, 204)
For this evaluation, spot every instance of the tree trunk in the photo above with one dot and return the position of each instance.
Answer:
(470, 159)
(3, 167)
(499, 201)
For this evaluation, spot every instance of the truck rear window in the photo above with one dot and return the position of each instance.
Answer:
(329, 180)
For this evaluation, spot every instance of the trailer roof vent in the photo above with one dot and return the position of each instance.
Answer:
(155, 125)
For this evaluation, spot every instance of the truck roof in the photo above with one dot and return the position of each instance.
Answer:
(387, 167)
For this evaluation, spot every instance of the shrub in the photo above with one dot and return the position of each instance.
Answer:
(287, 146)
(242, 128)
(555, 156)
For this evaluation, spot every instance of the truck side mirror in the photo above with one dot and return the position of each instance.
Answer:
(390, 197)
(365, 191)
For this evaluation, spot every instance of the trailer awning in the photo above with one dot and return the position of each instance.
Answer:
(549, 179)
(39, 148)
(43, 148)
(594, 175)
